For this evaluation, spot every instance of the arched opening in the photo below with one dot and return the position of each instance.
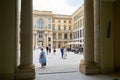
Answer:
(105, 56)
(57, 32)
(42, 32)
(95, 56)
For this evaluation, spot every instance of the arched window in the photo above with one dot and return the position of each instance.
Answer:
(40, 24)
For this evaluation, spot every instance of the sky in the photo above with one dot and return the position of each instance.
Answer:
(67, 7)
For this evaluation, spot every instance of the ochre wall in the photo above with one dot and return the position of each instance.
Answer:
(116, 36)
(106, 43)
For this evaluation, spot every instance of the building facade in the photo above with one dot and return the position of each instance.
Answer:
(78, 26)
(101, 39)
(56, 30)
(51, 29)
(42, 28)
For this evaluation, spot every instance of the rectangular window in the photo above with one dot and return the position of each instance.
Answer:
(64, 21)
(65, 36)
(69, 27)
(49, 39)
(40, 24)
(59, 36)
(49, 19)
(80, 33)
(53, 20)
(64, 27)
(59, 27)
(40, 35)
(49, 26)
(69, 21)
(71, 36)
(53, 27)
(59, 21)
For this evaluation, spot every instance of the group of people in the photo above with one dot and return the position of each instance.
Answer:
(42, 57)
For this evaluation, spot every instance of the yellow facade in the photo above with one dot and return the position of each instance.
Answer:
(51, 29)
(42, 28)
(63, 28)
(103, 23)
(78, 26)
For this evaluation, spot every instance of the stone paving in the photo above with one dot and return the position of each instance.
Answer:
(65, 69)
(55, 64)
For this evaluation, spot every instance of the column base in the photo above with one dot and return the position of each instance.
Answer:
(25, 74)
(89, 69)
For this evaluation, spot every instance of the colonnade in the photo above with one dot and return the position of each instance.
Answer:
(91, 62)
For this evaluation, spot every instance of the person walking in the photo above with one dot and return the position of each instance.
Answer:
(62, 52)
(47, 48)
(42, 58)
(65, 53)
(54, 51)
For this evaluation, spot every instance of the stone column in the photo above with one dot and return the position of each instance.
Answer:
(97, 31)
(89, 32)
(26, 68)
(88, 66)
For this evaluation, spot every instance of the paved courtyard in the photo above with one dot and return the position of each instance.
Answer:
(55, 64)
(65, 69)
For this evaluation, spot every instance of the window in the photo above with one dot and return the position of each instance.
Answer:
(71, 36)
(40, 35)
(53, 27)
(59, 36)
(65, 36)
(53, 20)
(64, 21)
(54, 35)
(49, 39)
(69, 27)
(49, 19)
(40, 24)
(59, 21)
(69, 21)
(80, 33)
(64, 27)
(59, 27)
(49, 26)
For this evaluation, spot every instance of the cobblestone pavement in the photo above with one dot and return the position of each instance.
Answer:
(64, 69)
